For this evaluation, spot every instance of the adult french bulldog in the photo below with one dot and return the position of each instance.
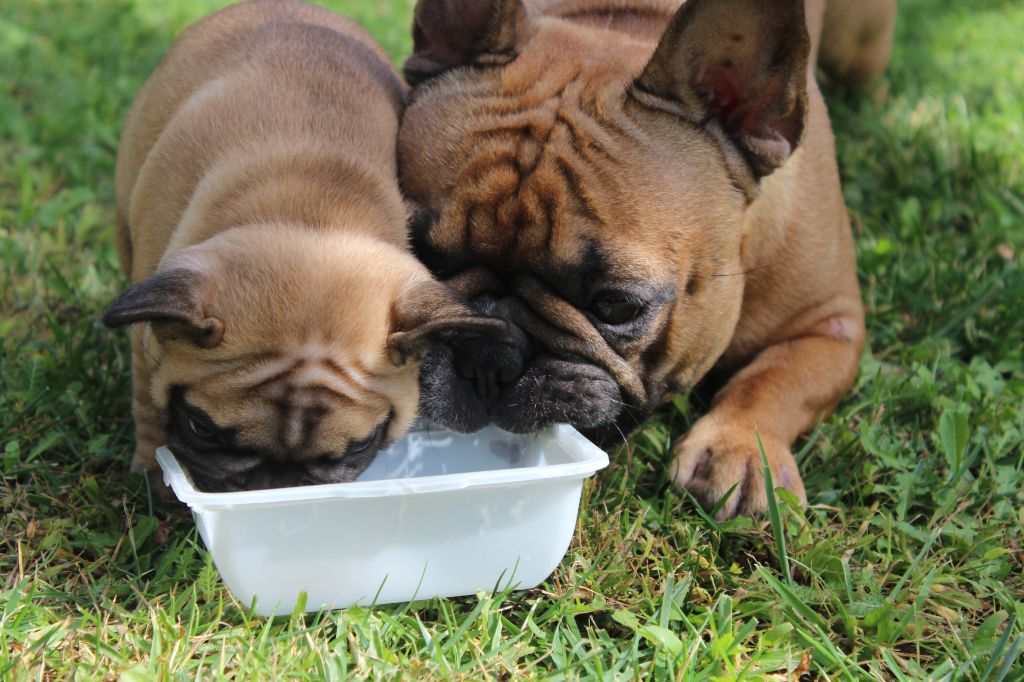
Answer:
(280, 315)
(647, 194)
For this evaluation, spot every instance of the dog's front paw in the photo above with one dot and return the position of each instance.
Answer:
(715, 456)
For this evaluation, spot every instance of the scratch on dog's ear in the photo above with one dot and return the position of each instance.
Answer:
(172, 300)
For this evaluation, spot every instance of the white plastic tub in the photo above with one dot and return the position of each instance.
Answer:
(440, 514)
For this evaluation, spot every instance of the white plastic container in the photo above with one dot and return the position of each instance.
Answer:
(440, 514)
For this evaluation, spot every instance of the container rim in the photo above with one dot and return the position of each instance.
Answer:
(587, 457)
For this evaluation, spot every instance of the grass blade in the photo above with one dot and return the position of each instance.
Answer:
(773, 513)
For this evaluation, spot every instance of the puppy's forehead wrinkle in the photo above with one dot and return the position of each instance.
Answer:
(314, 370)
(264, 366)
(293, 402)
(296, 423)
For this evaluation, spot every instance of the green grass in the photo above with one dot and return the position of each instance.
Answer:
(907, 566)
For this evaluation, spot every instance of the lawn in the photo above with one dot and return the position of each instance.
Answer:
(907, 565)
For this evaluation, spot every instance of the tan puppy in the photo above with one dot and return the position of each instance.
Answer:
(645, 193)
(260, 219)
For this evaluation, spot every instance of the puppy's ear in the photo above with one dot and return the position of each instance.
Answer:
(172, 301)
(740, 64)
(428, 312)
(448, 33)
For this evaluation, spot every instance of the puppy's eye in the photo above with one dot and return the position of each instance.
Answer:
(613, 307)
(200, 431)
(360, 446)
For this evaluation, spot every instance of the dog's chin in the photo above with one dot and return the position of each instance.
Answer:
(552, 390)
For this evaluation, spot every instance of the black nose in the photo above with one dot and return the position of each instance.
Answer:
(488, 365)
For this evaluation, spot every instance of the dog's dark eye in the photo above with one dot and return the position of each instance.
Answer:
(360, 446)
(200, 430)
(616, 308)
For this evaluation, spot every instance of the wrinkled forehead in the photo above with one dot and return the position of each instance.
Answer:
(556, 207)
(511, 177)
(251, 373)
(532, 164)
(296, 399)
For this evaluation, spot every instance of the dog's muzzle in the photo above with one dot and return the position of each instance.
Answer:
(491, 366)
(553, 367)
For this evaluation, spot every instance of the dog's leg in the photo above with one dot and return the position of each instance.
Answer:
(779, 395)
(149, 435)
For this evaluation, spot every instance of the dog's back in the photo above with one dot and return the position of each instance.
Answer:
(266, 84)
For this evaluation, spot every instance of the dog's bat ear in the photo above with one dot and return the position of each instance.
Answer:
(172, 301)
(449, 33)
(428, 312)
(740, 64)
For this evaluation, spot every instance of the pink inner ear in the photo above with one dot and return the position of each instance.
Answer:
(721, 95)
(759, 117)
(741, 110)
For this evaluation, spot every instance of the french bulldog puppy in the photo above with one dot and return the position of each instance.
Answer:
(279, 315)
(647, 194)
